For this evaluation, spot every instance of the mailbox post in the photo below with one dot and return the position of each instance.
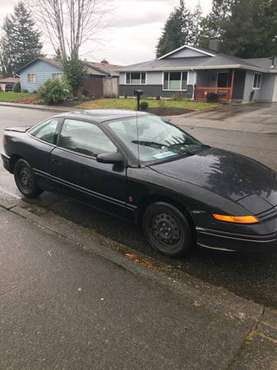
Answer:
(138, 94)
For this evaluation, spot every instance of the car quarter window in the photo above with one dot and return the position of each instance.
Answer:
(85, 138)
(46, 131)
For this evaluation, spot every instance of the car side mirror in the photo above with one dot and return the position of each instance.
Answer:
(113, 158)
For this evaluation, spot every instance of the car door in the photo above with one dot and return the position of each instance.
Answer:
(74, 164)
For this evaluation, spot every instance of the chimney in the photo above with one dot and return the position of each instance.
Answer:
(214, 44)
(273, 64)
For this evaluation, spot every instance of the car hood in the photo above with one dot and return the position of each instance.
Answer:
(232, 176)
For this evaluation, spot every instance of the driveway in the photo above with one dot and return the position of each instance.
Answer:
(256, 118)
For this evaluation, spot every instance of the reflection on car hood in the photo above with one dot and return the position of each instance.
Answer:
(227, 174)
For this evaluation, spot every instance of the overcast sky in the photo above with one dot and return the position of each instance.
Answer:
(131, 32)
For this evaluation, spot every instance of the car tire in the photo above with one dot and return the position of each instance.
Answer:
(167, 229)
(25, 179)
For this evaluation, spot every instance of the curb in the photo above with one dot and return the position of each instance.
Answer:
(37, 107)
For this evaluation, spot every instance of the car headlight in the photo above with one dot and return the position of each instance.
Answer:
(248, 220)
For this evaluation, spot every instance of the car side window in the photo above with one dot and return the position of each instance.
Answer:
(46, 131)
(85, 138)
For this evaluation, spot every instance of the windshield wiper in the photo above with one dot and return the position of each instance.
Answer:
(151, 144)
(188, 149)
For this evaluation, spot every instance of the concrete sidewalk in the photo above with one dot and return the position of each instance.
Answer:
(69, 302)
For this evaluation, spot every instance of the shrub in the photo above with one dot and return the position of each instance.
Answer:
(17, 87)
(212, 97)
(84, 98)
(54, 91)
(144, 105)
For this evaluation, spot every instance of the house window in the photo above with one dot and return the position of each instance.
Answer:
(257, 81)
(175, 81)
(136, 78)
(32, 78)
(57, 76)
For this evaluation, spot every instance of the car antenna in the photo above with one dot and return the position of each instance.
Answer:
(138, 142)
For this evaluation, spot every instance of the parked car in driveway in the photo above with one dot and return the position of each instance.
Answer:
(142, 168)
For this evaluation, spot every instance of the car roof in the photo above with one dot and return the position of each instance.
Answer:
(101, 115)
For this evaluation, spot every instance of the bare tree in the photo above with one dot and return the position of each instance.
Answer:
(69, 24)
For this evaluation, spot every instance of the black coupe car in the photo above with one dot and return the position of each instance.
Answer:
(139, 167)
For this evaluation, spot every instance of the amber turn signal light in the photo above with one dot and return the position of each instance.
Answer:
(236, 219)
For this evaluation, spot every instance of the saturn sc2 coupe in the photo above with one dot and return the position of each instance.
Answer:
(142, 168)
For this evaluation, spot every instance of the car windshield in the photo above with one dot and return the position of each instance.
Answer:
(150, 138)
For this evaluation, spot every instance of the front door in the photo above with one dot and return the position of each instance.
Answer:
(74, 165)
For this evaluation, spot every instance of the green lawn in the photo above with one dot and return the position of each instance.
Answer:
(131, 104)
(13, 97)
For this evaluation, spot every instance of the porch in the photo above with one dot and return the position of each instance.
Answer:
(225, 85)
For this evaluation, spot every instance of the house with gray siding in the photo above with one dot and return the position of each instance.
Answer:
(195, 73)
(101, 79)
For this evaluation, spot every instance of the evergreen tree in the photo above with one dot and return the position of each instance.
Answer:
(177, 31)
(245, 28)
(213, 26)
(20, 43)
(197, 21)
(251, 29)
(75, 71)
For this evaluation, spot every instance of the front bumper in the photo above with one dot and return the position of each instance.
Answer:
(225, 241)
(6, 162)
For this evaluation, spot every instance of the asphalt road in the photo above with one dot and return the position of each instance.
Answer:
(251, 276)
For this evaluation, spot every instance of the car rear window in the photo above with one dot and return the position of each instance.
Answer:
(46, 131)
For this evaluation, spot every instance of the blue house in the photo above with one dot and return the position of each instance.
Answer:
(101, 78)
(36, 73)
